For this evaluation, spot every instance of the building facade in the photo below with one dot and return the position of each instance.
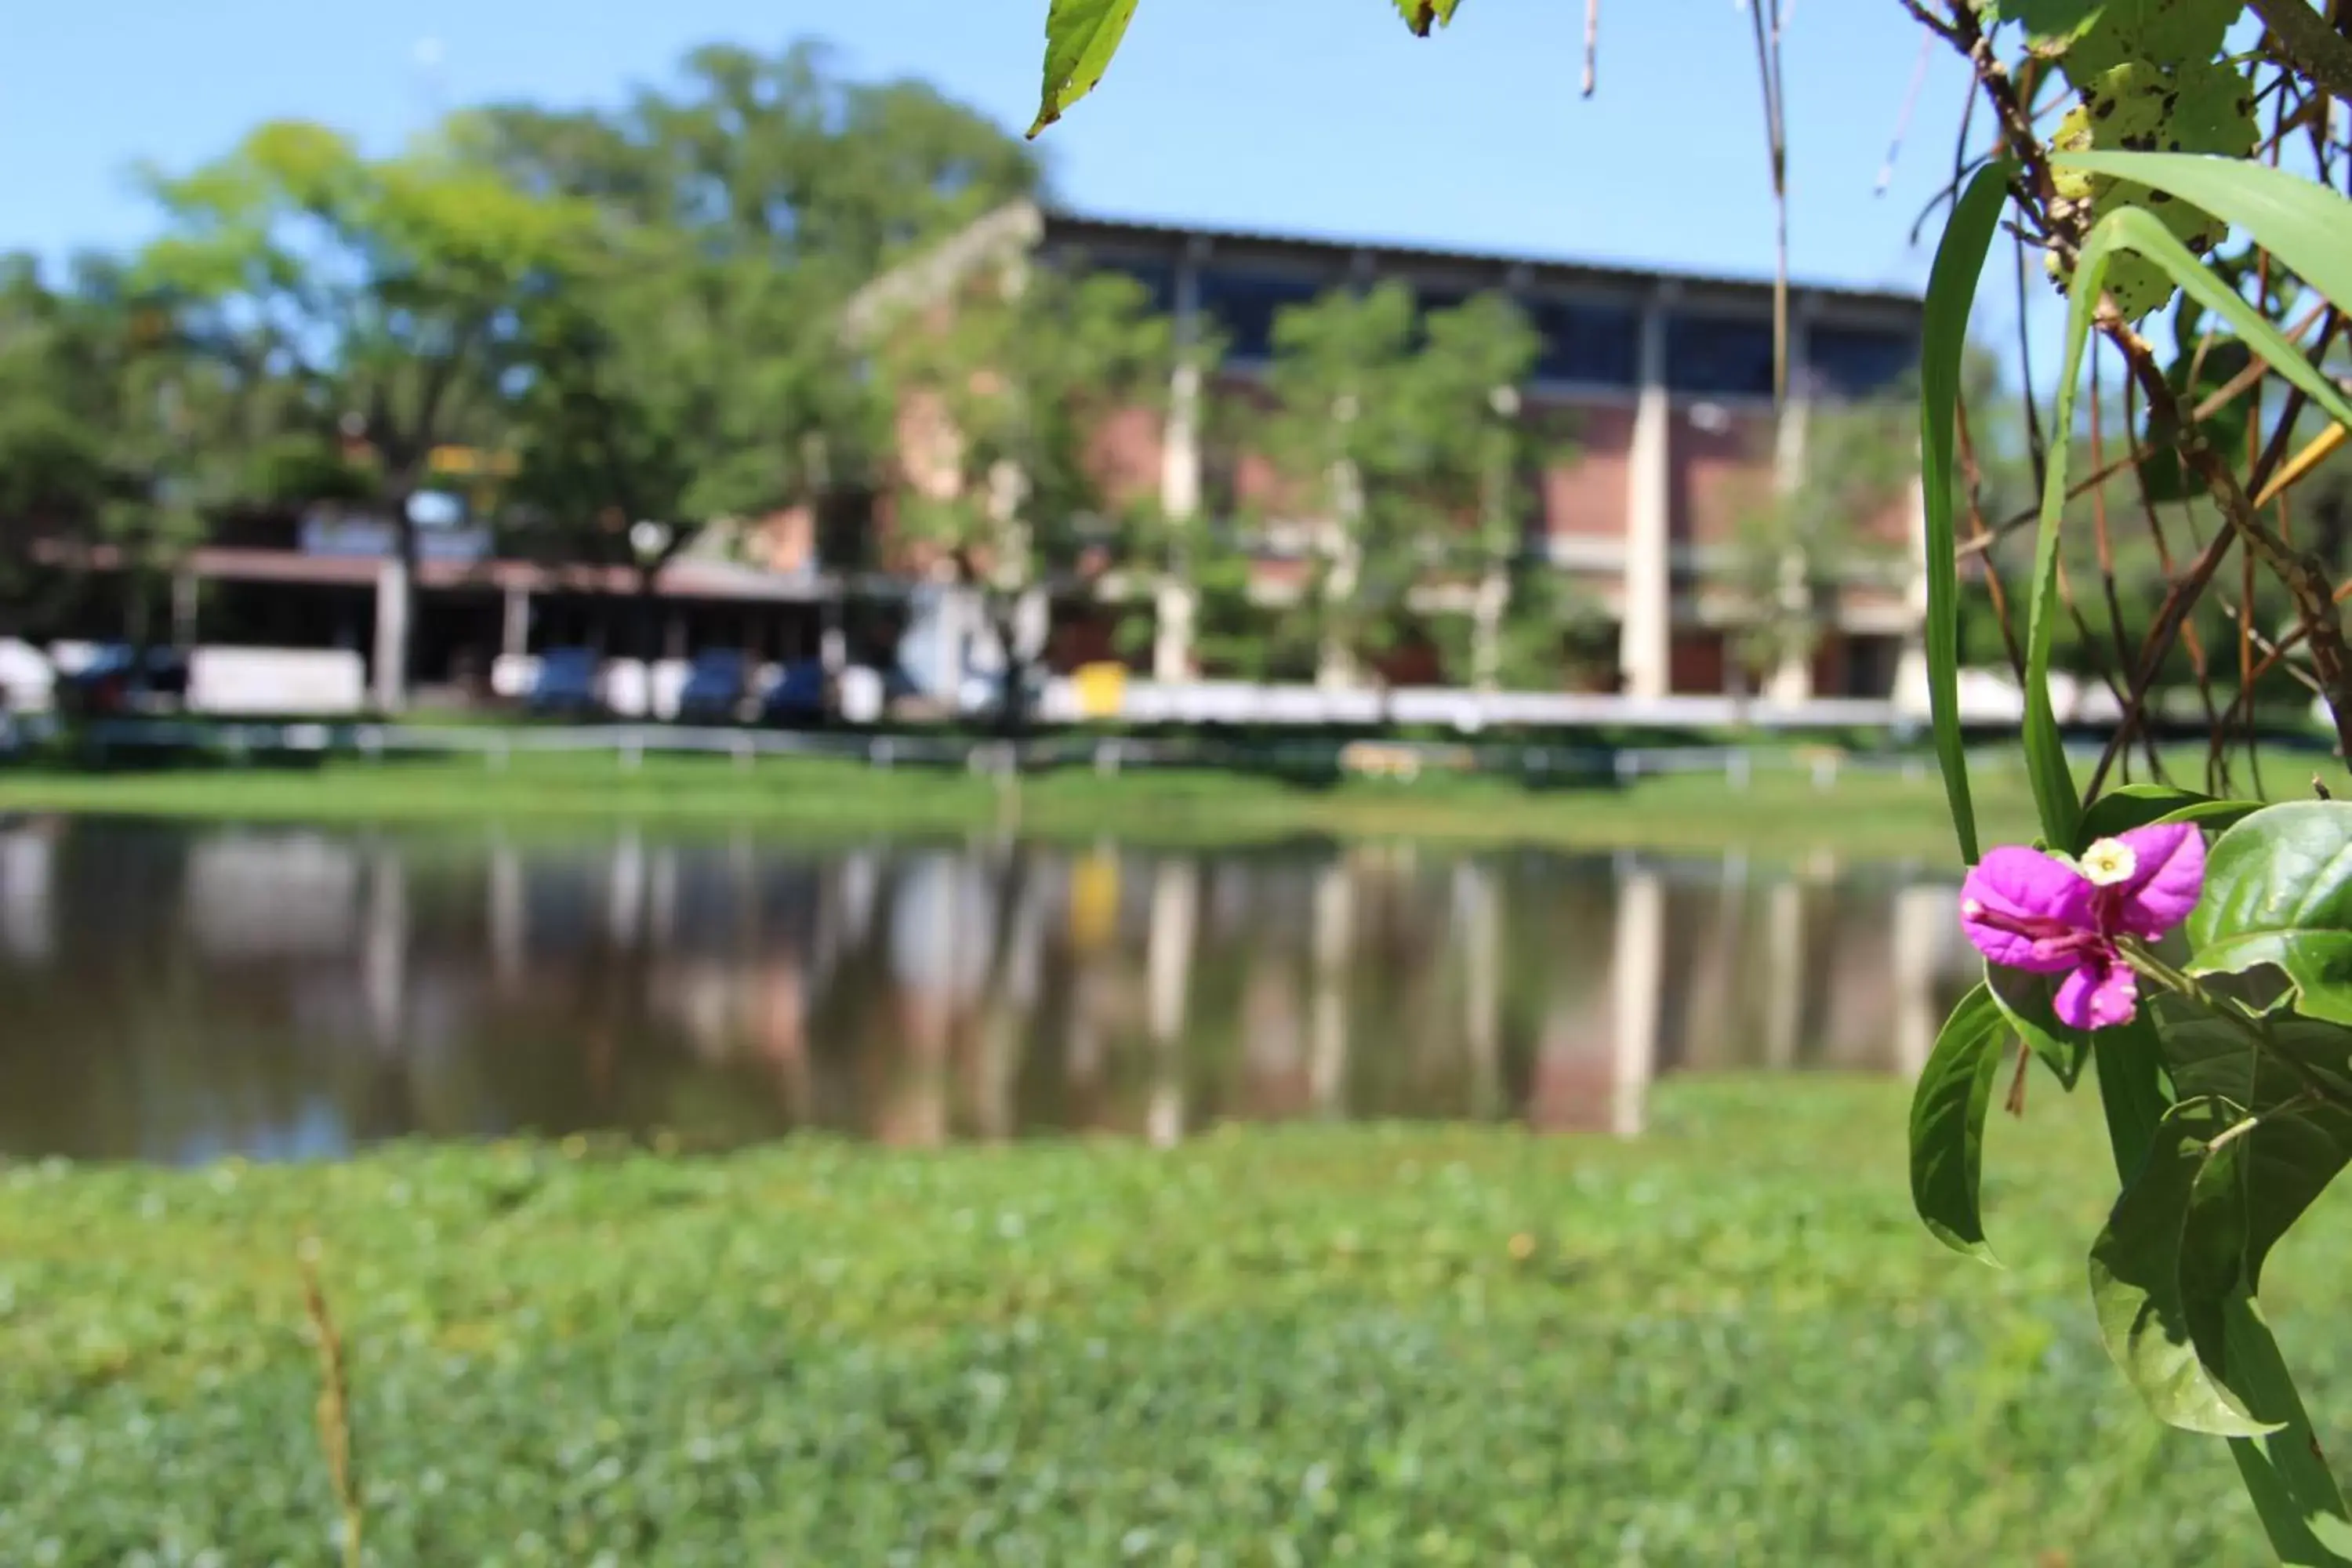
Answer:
(1668, 381)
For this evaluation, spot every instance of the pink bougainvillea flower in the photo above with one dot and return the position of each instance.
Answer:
(2025, 909)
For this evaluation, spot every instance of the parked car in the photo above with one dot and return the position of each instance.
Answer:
(802, 696)
(567, 684)
(718, 688)
(121, 678)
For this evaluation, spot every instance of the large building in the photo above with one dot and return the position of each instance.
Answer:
(1669, 378)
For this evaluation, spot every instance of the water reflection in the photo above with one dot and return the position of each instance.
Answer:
(183, 993)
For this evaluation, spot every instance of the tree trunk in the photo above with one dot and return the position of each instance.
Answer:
(395, 609)
(1487, 627)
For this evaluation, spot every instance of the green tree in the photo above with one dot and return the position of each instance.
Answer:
(678, 388)
(694, 366)
(1405, 443)
(1003, 392)
(389, 292)
(1481, 448)
(1792, 554)
(1341, 429)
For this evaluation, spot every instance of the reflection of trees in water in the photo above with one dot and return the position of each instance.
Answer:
(466, 984)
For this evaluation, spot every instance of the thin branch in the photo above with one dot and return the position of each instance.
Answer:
(2169, 615)
(2309, 43)
(1902, 116)
(2299, 572)
(1591, 45)
(1992, 569)
(1768, 70)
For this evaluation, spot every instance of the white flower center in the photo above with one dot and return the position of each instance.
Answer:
(2109, 861)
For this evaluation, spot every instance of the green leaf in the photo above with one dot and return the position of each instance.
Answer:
(2131, 1088)
(2026, 1002)
(2286, 1474)
(2306, 227)
(1421, 15)
(2134, 230)
(2154, 1284)
(2203, 107)
(1947, 1118)
(2094, 36)
(1081, 36)
(1951, 295)
(2296, 1076)
(2142, 805)
(2278, 891)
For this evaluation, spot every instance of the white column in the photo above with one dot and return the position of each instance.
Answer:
(1792, 680)
(832, 642)
(1175, 602)
(1910, 692)
(1168, 970)
(1032, 623)
(1335, 668)
(1637, 975)
(392, 609)
(1644, 641)
(514, 633)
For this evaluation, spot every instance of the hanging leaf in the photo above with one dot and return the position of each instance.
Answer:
(2158, 1290)
(2088, 36)
(2131, 229)
(2198, 107)
(1422, 15)
(2294, 1076)
(1951, 295)
(1948, 1119)
(2278, 891)
(1081, 37)
(2305, 226)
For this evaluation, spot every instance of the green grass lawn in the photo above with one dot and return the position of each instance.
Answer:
(1865, 813)
(1728, 1343)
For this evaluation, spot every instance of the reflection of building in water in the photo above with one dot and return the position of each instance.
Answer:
(27, 898)
(1168, 965)
(1274, 1056)
(510, 915)
(1478, 935)
(1599, 1044)
(383, 952)
(271, 895)
(1333, 939)
(943, 929)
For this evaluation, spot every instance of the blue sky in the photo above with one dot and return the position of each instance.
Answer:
(1316, 116)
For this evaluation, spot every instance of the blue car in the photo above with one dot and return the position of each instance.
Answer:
(566, 686)
(800, 696)
(121, 678)
(718, 687)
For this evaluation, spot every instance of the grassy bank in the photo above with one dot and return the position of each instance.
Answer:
(1728, 1343)
(1871, 813)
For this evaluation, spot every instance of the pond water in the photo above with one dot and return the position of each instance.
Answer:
(181, 993)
